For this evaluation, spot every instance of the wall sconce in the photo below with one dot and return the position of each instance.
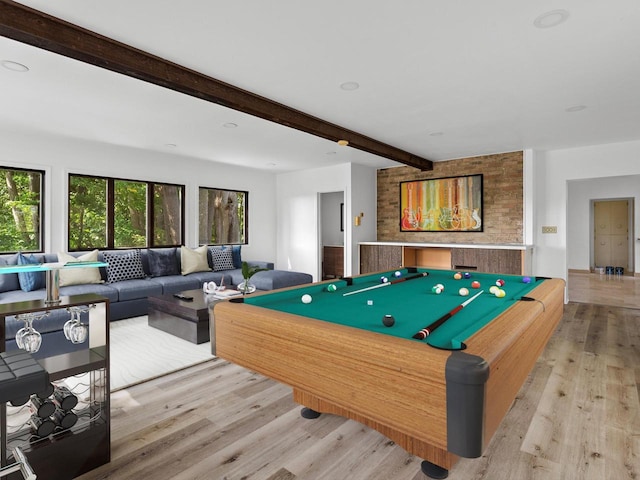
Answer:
(357, 220)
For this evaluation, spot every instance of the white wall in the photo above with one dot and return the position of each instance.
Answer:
(61, 156)
(552, 172)
(331, 205)
(298, 238)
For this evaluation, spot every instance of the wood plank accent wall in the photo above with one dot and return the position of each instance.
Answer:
(503, 205)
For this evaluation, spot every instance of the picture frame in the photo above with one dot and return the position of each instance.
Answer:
(450, 204)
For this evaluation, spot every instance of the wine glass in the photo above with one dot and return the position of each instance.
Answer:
(28, 338)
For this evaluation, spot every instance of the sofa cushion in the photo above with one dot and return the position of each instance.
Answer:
(222, 259)
(79, 276)
(136, 289)
(8, 281)
(123, 266)
(30, 281)
(194, 260)
(163, 263)
(236, 254)
(273, 279)
(177, 283)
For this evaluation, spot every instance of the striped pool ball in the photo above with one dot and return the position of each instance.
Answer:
(384, 279)
(500, 282)
(493, 289)
(397, 274)
(331, 288)
(463, 292)
(457, 276)
(436, 289)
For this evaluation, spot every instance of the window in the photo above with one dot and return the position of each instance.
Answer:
(117, 213)
(223, 216)
(21, 207)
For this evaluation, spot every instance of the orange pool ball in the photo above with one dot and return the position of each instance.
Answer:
(457, 275)
(475, 284)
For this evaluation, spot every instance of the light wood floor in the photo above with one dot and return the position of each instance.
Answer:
(576, 417)
(616, 290)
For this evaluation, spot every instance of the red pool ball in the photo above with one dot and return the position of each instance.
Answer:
(500, 282)
(475, 284)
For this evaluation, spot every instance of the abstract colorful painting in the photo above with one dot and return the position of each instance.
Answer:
(451, 204)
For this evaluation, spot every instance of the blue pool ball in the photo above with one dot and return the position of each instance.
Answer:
(467, 275)
(526, 279)
(397, 274)
(331, 288)
(384, 279)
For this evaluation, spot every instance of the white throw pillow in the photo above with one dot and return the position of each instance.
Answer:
(194, 259)
(79, 275)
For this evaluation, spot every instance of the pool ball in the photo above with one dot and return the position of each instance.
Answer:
(457, 275)
(500, 282)
(467, 275)
(397, 274)
(331, 288)
(526, 279)
(388, 320)
(463, 292)
(384, 279)
(436, 289)
(441, 286)
(500, 293)
(475, 284)
(306, 298)
(493, 289)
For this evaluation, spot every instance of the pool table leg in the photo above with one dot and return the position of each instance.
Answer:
(433, 471)
(309, 414)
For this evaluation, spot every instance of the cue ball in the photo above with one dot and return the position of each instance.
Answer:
(475, 284)
(457, 275)
(306, 298)
(526, 279)
(463, 292)
(388, 320)
(331, 288)
(467, 275)
(397, 274)
(500, 282)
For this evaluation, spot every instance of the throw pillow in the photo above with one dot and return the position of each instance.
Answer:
(237, 259)
(30, 281)
(222, 259)
(80, 275)
(194, 260)
(163, 262)
(123, 266)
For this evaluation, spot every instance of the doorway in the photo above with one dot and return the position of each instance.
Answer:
(612, 245)
(332, 234)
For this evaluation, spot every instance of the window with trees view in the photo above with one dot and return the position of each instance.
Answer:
(223, 216)
(116, 213)
(21, 210)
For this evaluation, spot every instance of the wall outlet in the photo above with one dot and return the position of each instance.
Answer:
(550, 229)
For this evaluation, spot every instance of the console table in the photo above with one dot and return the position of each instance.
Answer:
(69, 453)
(488, 258)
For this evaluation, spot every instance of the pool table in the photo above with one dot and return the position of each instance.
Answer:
(441, 397)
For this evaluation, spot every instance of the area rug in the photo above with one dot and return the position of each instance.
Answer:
(140, 352)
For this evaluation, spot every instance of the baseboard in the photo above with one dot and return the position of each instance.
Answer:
(574, 270)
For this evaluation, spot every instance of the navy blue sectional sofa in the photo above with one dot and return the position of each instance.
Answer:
(128, 297)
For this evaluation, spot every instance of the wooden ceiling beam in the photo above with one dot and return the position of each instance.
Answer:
(36, 28)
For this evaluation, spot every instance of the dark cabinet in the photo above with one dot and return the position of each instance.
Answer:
(375, 258)
(332, 262)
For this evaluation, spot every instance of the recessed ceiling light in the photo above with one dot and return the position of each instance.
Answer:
(170, 145)
(575, 108)
(350, 86)
(551, 19)
(14, 66)
(230, 125)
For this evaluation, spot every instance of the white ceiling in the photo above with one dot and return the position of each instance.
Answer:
(440, 79)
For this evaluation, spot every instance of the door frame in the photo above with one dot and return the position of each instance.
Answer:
(630, 267)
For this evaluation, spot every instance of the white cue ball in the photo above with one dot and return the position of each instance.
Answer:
(306, 298)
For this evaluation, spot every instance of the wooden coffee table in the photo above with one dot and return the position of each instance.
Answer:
(188, 320)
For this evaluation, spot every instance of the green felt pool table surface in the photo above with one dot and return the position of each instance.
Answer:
(413, 303)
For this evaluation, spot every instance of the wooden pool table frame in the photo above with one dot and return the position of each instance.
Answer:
(396, 386)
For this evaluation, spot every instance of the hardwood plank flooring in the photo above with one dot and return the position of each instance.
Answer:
(576, 417)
